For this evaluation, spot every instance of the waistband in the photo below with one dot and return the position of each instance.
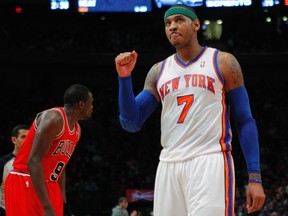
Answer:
(28, 175)
(19, 173)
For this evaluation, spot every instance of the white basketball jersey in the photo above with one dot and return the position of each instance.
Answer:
(194, 119)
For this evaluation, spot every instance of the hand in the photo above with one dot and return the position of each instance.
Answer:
(125, 63)
(255, 197)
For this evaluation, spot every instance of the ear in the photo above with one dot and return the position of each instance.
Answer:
(81, 104)
(196, 25)
(13, 139)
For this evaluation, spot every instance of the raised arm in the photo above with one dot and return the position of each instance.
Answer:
(133, 110)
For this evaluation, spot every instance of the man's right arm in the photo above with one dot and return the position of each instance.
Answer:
(134, 111)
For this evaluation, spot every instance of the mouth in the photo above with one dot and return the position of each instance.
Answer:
(174, 35)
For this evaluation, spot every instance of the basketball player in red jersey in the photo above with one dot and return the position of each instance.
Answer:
(36, 185)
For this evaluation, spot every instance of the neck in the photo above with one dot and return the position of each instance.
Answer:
(189, 53)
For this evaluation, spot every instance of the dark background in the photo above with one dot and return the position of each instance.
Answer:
(43, 52)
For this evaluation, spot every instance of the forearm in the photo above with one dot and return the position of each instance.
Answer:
(128, 107)
(247, 129)
(62, 183)
(248, 138)
(134, 111)
(38, 180)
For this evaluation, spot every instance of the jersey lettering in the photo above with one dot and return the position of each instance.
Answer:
(65, 147)
(187, 100)
(57, 171)
(190, 80)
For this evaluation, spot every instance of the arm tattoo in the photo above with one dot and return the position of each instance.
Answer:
(237, 76)
(151, 79)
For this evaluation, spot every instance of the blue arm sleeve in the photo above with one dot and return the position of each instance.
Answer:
(134, 110)
(247, 128)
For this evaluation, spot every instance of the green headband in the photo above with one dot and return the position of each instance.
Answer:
(180, 10)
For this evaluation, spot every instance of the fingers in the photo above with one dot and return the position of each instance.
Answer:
(125, 58)
(255, 197)
(125, 63)
(255, 204)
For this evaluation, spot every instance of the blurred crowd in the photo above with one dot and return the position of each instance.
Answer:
(250, 31)
(108, 160)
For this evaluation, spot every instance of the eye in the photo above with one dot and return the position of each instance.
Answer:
(179, 20)
(167, 23)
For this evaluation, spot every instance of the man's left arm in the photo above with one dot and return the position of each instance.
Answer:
(248, 138)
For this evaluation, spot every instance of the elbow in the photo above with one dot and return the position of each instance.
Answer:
(130, 126)
(246, 121)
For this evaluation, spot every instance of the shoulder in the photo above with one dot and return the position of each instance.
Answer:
(6, 158)
(9, 164)
(4, 162)
(151, 79)
(51, 114)
(51, 119)
(226, 59)
(230, 69)
(10, 161)
(116, 211)
(155, 69)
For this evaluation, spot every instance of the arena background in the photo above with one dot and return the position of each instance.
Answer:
(43, 52)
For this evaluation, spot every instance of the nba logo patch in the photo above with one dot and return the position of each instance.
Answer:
(202, 64)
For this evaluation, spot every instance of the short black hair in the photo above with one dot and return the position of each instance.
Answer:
(15, 130)
(76, 93)
(122, 199)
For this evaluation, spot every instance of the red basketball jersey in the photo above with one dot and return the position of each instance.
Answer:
(59, 153)
(23, 200)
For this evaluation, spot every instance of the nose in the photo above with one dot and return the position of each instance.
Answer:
(172, 26)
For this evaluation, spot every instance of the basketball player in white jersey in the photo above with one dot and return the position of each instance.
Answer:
(198, 87)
